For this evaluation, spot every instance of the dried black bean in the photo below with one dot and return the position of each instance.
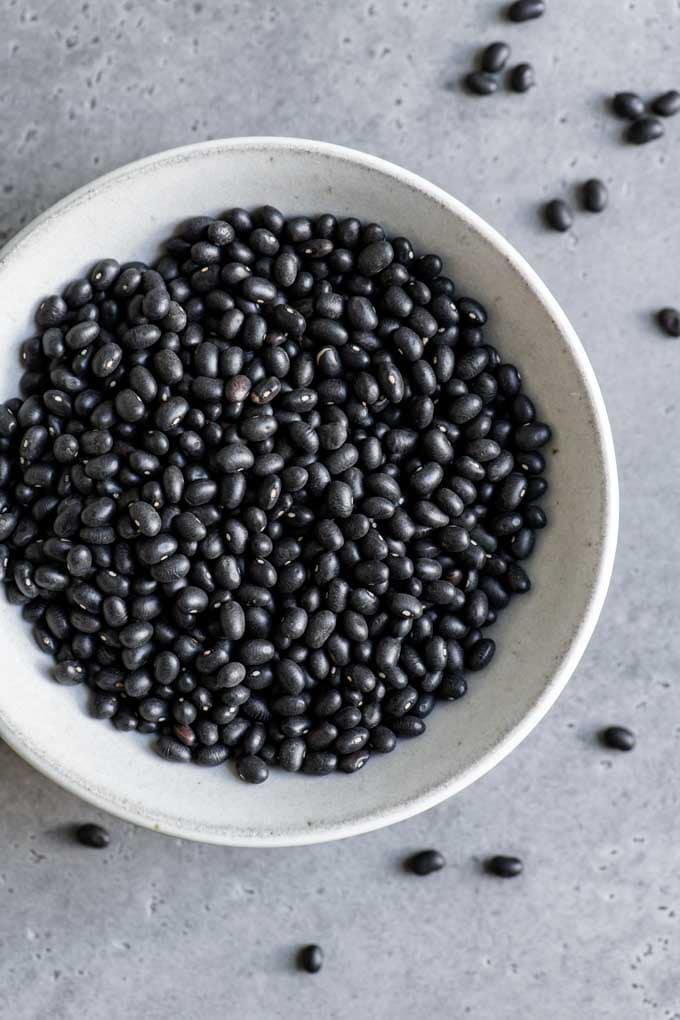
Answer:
(522, 78)
(252, 769)
(311, 959)
(667, 104)
(595, 195)
(628, 105)
(504, 867)
(644, 129)
(526, 10)
(426, 862)
(559, 215)
(93, 835)
(481, 83)
(669, 320)
(619, 738)
(495, 57)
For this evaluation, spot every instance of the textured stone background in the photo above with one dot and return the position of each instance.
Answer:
(153, 926)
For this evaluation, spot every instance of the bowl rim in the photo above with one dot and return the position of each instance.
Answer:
(606, 540)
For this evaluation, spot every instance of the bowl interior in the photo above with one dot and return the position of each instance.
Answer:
(540, 637)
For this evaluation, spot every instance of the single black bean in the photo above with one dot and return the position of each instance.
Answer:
(354, 762)
(619, 738)
(644, 129)
(408, 726)
(375, 257)
(669, 320)
(504, 867)
(481, 654)
(426, 862)
(559, 215)
(495, 57)
(595, 195)
(522, 78)
(628, 105)
(526, 10)
(667, 104)
(319, 763)
(173, 749)
(481, 83)
(311, 959)
(92, 835)
(383, 739)
(291, 753)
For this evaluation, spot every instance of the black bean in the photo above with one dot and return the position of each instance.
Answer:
(534, 517)
(595, 195)
(426, 862)
(669, 320)
(481, 83)
(619, 738)
(644, 129)
(291, 753)
(495, 57)
(252, 769)
(516, 579)
(352, 740)
(667, 104)
(92, 835)
(170, 413)
(522, 78)
(81, 335)
(504, 867)
(532, 436)
(465, 408)
(354, 762)
(383, 739)
(375, 257)
(407, 726)
(522, 543)
(320, 763)
(480, 654)
(319, 628)
(526, 10)
(173, 749)
(559, 215)
(311, 959)
(69, 672)
(628, 105)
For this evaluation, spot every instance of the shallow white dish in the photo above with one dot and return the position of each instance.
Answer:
(542, 637)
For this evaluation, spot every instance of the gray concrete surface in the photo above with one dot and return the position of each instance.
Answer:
(155, 927)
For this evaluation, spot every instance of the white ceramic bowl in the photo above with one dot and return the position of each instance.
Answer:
(541, 637)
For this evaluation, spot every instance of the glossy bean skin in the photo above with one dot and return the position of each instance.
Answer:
(426, 862)
(495, 57)
(526, 10)
(558, 215)
(522, 78)
(669, 321)
(481, 83)
(628, 105)
(503, 866)
(595, 195)
(667, 104)
(645, 130)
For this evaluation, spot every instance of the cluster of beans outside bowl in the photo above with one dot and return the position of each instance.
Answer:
(266, 497)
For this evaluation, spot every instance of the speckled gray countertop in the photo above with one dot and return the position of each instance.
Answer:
(156, 927)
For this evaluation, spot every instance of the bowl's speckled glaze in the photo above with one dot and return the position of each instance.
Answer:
(541, 637)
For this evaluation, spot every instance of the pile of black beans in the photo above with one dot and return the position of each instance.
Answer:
(265, 498)
(643, 127)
